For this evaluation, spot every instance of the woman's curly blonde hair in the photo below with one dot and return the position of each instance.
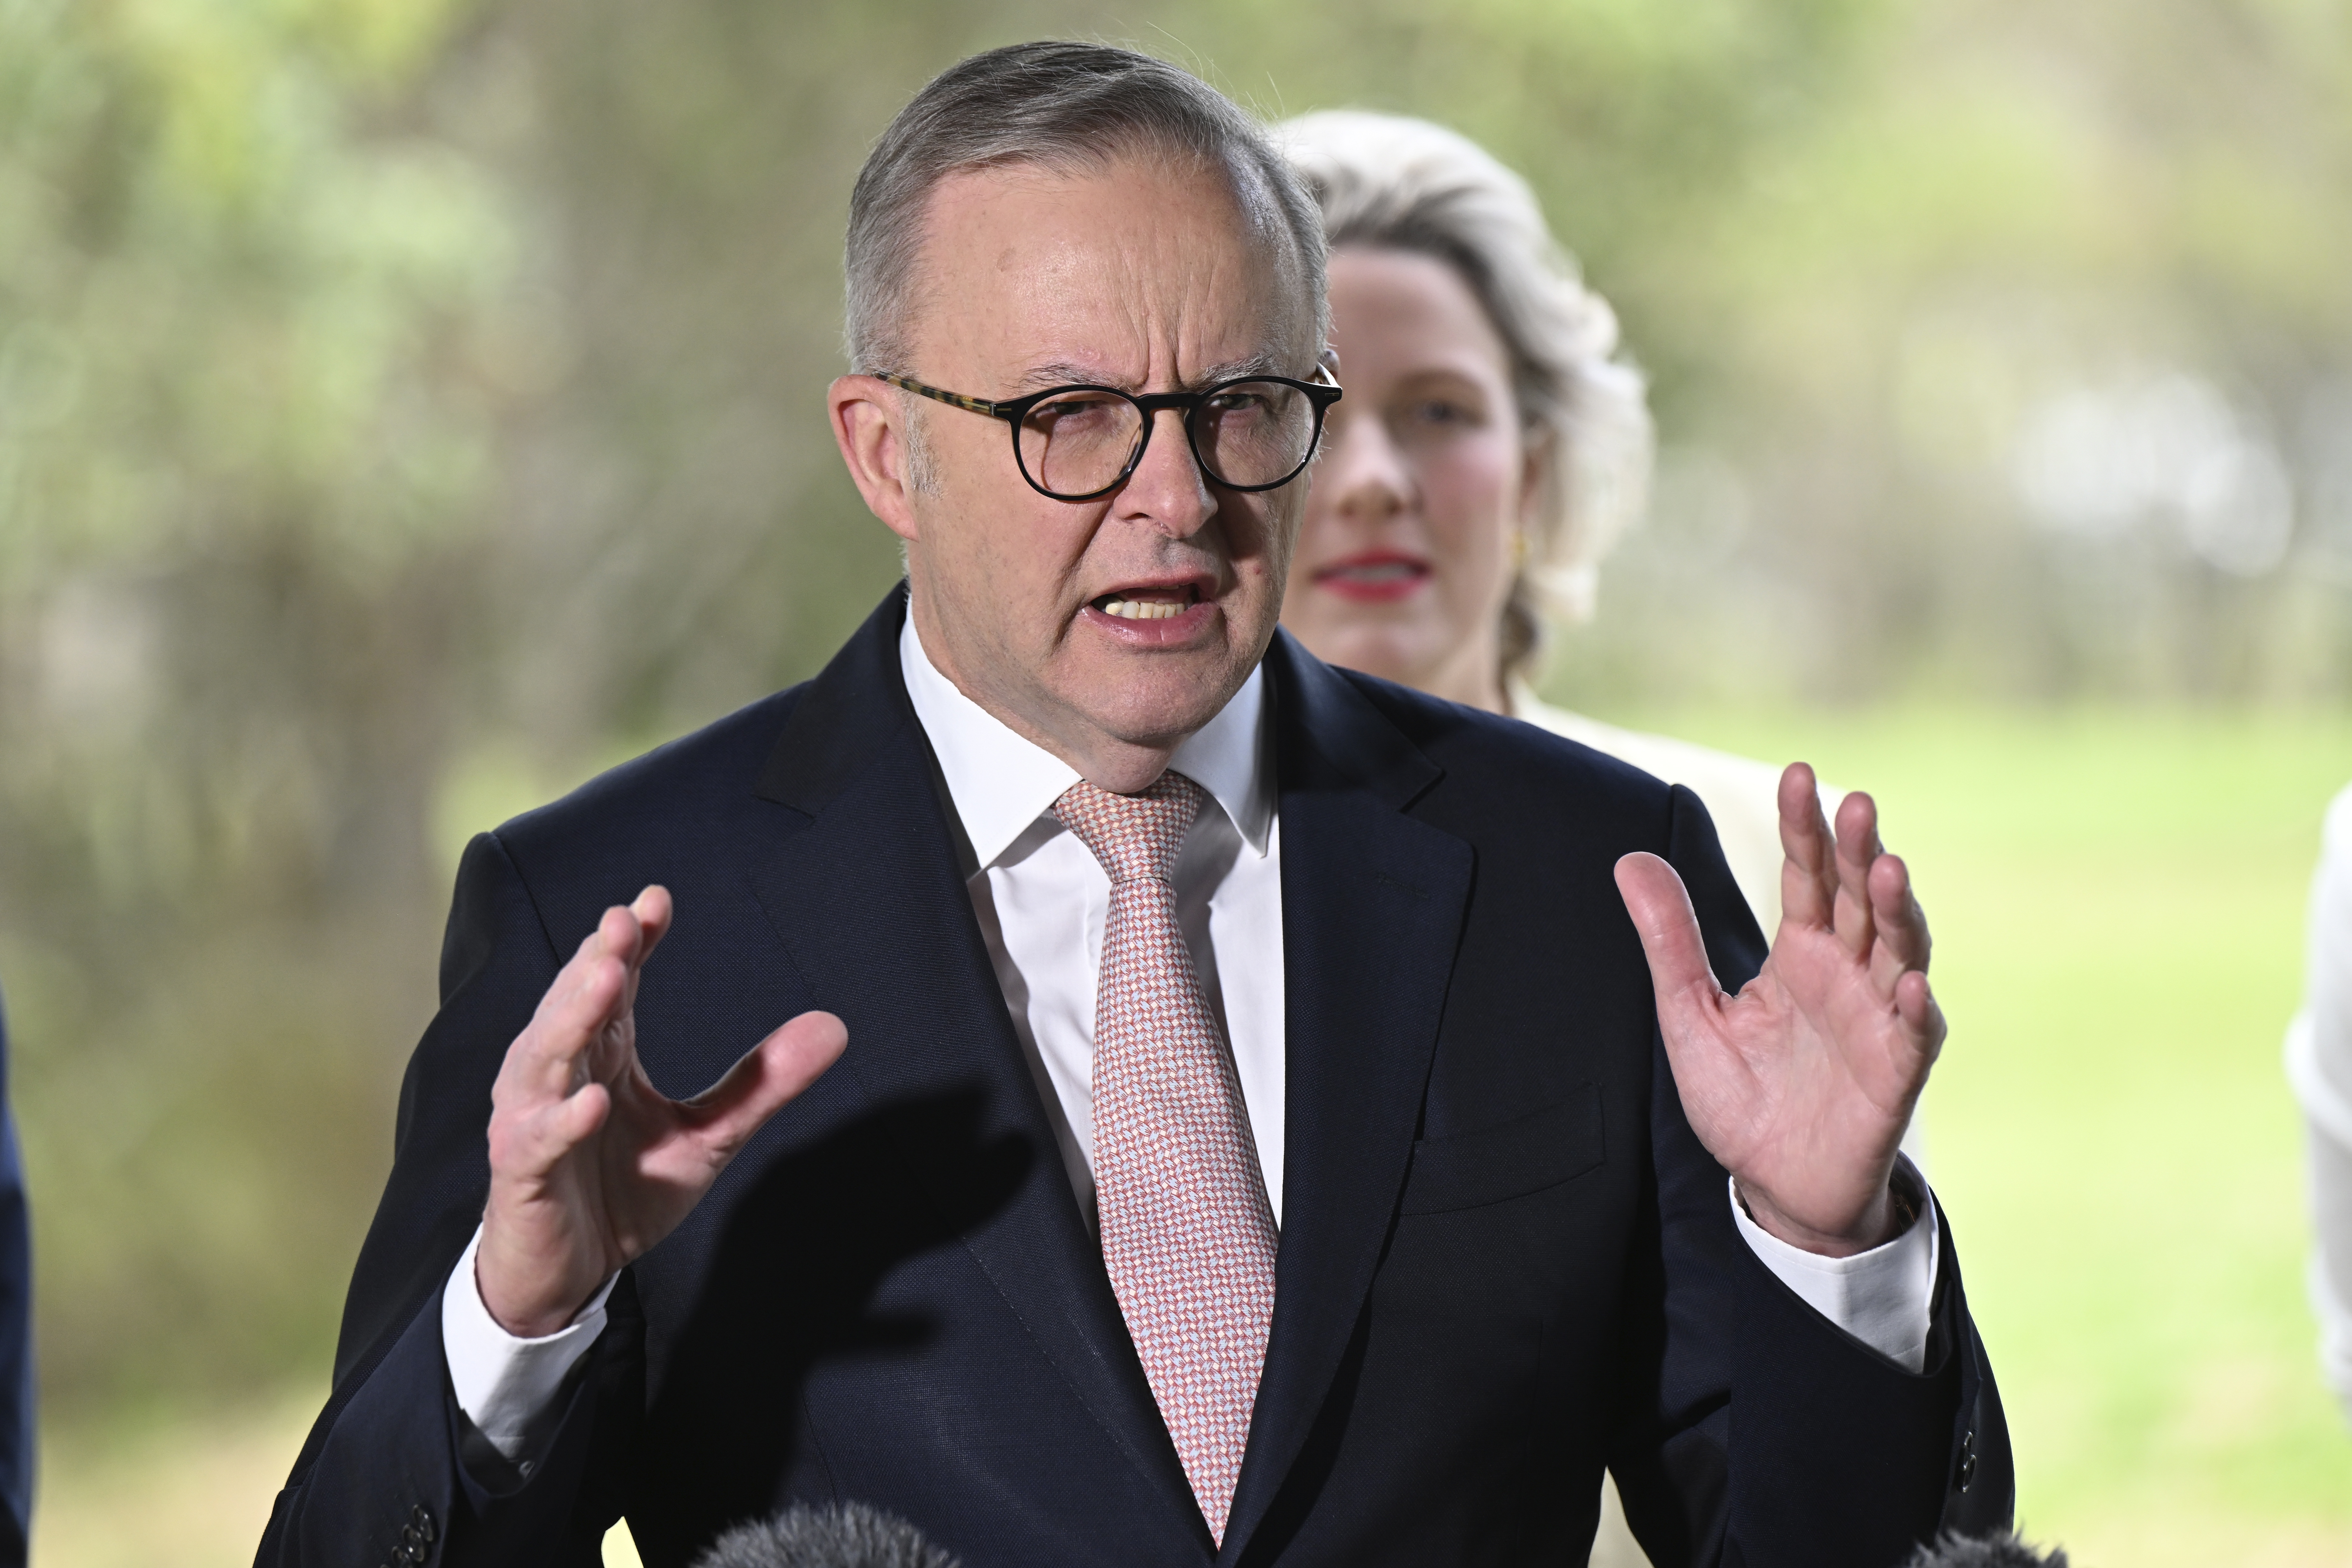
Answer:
(1392, 182)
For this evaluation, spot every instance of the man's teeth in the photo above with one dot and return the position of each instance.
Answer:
(1142, 609)
(1382, 571)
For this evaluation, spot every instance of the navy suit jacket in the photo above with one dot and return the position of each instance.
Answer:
(1505, 1261)
(15, 1337)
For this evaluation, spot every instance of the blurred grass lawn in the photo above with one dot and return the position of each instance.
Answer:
(2118, 903)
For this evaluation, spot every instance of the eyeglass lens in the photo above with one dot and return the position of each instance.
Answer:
(1247, 434)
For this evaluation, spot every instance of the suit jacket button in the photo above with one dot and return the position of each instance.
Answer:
(420, 1518)
(1966, 1473)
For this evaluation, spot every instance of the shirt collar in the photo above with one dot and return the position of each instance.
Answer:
(1001, 782)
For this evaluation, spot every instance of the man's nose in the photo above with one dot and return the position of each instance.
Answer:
(1168, 489)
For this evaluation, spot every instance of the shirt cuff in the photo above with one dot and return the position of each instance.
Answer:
(505, 1385)
(1881, 1297)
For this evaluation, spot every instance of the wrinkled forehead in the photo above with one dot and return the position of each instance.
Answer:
(1146, 244)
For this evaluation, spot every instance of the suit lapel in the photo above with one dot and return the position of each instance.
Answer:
(1372, 904)
(869, 903)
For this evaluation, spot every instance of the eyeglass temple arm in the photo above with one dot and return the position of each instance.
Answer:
(957, 399)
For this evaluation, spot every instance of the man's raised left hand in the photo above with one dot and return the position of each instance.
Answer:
(1802, 1084)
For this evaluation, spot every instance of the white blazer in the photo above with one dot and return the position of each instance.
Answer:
(1742, 795)
(2319, 1066)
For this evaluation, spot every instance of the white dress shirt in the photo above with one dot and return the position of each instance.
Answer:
(1041, 898)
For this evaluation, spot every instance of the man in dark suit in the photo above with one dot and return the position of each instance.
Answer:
(1263, 1135)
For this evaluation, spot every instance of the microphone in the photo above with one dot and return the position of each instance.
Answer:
(2002, 1550)
(846, 1535)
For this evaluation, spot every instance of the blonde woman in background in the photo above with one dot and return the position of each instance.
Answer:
(1490, 451)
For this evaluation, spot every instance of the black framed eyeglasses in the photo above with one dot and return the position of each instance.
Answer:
(1077, 442)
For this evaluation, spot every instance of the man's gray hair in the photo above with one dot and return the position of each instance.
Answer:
(1389, 183)
(1070, 107)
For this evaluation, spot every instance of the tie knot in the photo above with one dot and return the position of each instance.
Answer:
(1135, 836)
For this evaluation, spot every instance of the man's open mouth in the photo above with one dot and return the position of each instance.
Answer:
(1149, 603)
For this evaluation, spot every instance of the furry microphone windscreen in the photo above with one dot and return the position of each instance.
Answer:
(848, 1535)
(1983, 1552)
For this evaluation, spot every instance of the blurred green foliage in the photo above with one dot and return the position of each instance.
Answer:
(249, 360)
(408, 405)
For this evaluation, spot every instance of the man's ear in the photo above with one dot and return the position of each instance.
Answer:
(868, 420)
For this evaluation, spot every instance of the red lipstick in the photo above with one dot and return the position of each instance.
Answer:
(1375, 576)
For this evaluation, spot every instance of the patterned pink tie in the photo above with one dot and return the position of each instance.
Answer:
(1187, 1234)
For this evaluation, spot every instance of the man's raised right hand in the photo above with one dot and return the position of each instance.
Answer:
(589, 1164)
